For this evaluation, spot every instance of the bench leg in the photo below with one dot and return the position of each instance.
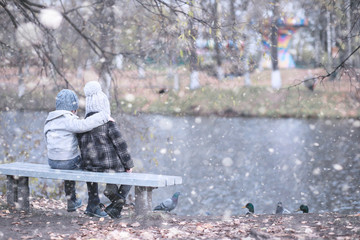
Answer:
(149, 198)
(18, 192)
(24, 193)
(143, 200)
(11, 191)
(140, 203)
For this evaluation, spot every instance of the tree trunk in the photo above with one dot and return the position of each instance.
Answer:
(275, 75)
(348, 27)
(217, 40)
(329, 42)
(173, 75)
(317, 43)
(194, 75)
(247, 79)
(106, 42)
(246, 60)
(234, 37)
(140, 59)
(21, 83)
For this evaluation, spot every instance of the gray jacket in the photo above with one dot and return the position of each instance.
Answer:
(60, 131)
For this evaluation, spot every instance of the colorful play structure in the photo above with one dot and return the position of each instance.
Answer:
(286, 29)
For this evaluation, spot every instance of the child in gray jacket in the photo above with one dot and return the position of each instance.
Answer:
(61, 127)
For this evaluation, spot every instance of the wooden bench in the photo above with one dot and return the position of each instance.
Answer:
(18, 174)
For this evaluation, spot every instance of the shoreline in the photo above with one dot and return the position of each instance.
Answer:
(239, 101)
(231, 114)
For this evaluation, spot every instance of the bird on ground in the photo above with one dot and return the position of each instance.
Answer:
(303, 208)
(168, 204)
(250, 207)
(310, 83)
(280, 209)
(163, 90)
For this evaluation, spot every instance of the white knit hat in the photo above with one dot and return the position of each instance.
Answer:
(96, 100)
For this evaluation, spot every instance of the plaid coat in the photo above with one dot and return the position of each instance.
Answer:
(104, 150)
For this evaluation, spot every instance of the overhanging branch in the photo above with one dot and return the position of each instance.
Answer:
(329, 73)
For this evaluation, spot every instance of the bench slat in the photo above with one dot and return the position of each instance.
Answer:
(44, 171)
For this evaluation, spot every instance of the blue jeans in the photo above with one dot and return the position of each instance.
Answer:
(72, 164)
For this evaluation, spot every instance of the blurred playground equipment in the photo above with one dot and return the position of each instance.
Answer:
(287, 27)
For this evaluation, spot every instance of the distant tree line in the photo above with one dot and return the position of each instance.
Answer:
(108, 35)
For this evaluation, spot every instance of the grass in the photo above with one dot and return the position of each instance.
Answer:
(253, 102)
(229, 98)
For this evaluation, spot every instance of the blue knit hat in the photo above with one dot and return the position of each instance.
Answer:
(67, 100)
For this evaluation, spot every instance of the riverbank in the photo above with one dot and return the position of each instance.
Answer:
(48, 219)
(339, 98)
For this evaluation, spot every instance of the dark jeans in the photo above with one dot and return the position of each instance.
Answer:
(93, 194)
(114, 193)
(72, 164)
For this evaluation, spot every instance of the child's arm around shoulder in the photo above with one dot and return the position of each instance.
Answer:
(77, 125)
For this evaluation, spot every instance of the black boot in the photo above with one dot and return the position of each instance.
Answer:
(114, 209)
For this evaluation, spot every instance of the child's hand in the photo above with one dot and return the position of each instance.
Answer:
(111, 119)
(129, 170)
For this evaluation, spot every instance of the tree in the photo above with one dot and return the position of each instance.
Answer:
(98, 32)
(107, 41)
(275, 75)
(193, 58)
(216, 30)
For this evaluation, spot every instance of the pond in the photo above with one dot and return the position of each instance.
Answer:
(224, 162)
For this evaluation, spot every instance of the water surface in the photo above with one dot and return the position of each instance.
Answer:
(224, 162)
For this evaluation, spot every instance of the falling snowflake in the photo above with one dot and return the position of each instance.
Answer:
(316, 171)
(50, 18)
(129, 97)
(312, 127)
(337, 167)
(166, 124)
(298, 162)
(28, 34)
(227, 162)
(356, 124)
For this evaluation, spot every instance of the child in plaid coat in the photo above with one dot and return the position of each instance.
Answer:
(104, 150)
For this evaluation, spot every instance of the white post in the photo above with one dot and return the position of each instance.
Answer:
(276, 79)
(194, 80)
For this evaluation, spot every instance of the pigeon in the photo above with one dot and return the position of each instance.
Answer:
(250, 207)
(280, 209)
(168, 204)
(310, 83)
(163, 90)
(303, 208)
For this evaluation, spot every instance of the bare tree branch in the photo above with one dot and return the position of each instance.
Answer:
(322, 77)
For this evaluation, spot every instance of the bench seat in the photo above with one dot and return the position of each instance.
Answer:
(18, 174)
